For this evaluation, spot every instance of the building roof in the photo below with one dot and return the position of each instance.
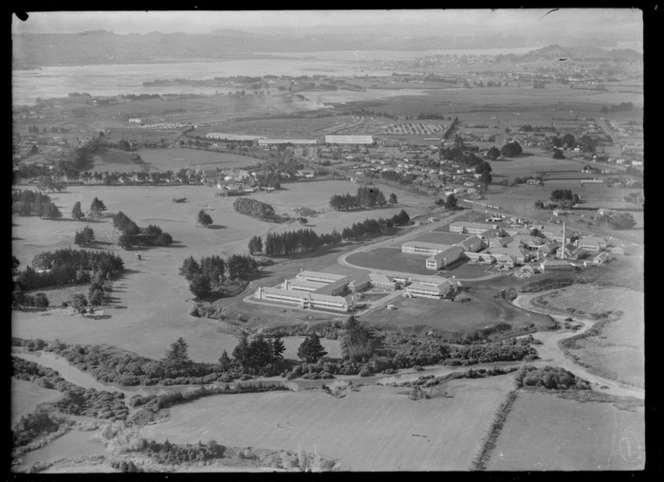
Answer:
(556, 262)
(508, 251)
(451, 251)
(298, 282)
(286, 141)
(305, 295)
(469, 241)
(470, 225)
(428, 280)
(422, 244)
(232, 137)
(331, 139)
(438, 289)
(320, 274)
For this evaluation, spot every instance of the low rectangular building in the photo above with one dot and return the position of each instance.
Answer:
(305, 299)
(419, 290)
(362, 140)
(472, 243)
(382, 281)
(444, 258)
(270, 142)
(319, 276)
(421, 247)
(463, 227)
(555, 265)
(601, 258)
(592, 243)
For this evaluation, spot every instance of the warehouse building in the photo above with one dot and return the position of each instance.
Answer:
(420, 247)
(362, 140)
(444, 258)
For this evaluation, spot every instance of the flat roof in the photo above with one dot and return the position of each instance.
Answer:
(287, 141)
(469, 224)
(232, 137)
(321, 274)
(305, 283)
(451, 251)
(305, 295)
(332, 139)
(423, 244)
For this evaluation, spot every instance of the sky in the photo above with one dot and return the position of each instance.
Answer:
(625, 23)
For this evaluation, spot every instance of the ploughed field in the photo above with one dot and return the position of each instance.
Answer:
(373, 428)
(545, 432)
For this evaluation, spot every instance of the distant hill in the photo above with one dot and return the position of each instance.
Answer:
(580, 53)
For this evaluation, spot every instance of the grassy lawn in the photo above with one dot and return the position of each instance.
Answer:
(545, 432)
(374, 428)
(391, 259)
(176, 159)
(441, 237)
(25, 396)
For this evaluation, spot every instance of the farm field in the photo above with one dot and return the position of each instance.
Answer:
(176, 159)
(536, 162)
(483, 311)
(372, 428)
(26, 396)
(618, 352)
(76, 443)
(545, 432)
(115, 160)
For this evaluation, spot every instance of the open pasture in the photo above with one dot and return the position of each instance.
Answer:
(73, 444)
(373, 428)
(25, 396)
(483, 311)
(176, 159)
(534, 163)
(545, 432)
(115, 160)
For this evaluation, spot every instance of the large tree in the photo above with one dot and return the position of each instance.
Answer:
(200, 286)
(356, 341)
(311, 349)
(511, 149)
(255, 245)
(393, 198)
(77, 212)
(203, 218)
(176, 355)
(493, 153)
(97, 207)
(451, 202)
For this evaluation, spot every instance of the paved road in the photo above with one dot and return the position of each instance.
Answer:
(551, 353)
(609, 131)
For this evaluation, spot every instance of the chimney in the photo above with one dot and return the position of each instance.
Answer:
(564, 243)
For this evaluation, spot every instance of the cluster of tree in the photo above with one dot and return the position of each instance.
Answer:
(373, 227)
(539, 84)
(97, 207)
(132, 235)
(511, 149)
(85, 237)
(290, 242)
(171, 454)
(558, 153)
(31, 203)
(404, 178)
(81, 159)
(460, 154)
(259, 355)
(622, 107)
(551, 378)
(123, 145)
(32, 425)
(47, 183)
(449, 203)
(618, 220)
(255, 209)
(68, 266)
(366, 197)
(484, 169)
(564, 195)
(493, 153)
(210, 273)
(431, 116)
(311, 350)
(268, 179)
(24, 300)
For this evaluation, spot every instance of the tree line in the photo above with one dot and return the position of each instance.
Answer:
(132, 235)
(290, 242)
(372, 227)
(366, 197)
(31, 203)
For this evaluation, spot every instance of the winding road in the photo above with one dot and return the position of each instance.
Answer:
(550, 352)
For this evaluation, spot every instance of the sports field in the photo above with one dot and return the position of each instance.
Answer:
(545, 432)
(390, 259)
(440, 237)
(373, 428)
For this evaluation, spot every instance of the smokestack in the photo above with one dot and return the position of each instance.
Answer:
(564, 242)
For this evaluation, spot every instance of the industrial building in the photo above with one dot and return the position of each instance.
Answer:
(445, 258)
(463, 227)
(305, 299)
(363, 140)
(420, 247)
(271, 142)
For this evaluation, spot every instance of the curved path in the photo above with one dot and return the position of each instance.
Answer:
(550, 352)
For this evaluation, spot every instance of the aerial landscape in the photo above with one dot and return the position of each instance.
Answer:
(328, 241)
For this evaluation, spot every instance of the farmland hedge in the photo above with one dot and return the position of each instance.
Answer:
(256, 209)
(550, 378)
(31, 203)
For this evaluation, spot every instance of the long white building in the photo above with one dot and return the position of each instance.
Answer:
(421, 247)
(444, 258)
(305, 299)
(364, 140)
(463, 227)
(419, 290)
(270, 142)
(319, 276)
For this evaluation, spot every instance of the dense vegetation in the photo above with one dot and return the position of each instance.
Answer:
(366, 197)
(550, 378)
(375, 227)
(618, 220)
(295, 242)
(213, 274)
(69, 266)
(256, 209)
(31, 203)
(85, 237)
(76, 400)
(511, 149)
(132, 235)
(33, 425)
